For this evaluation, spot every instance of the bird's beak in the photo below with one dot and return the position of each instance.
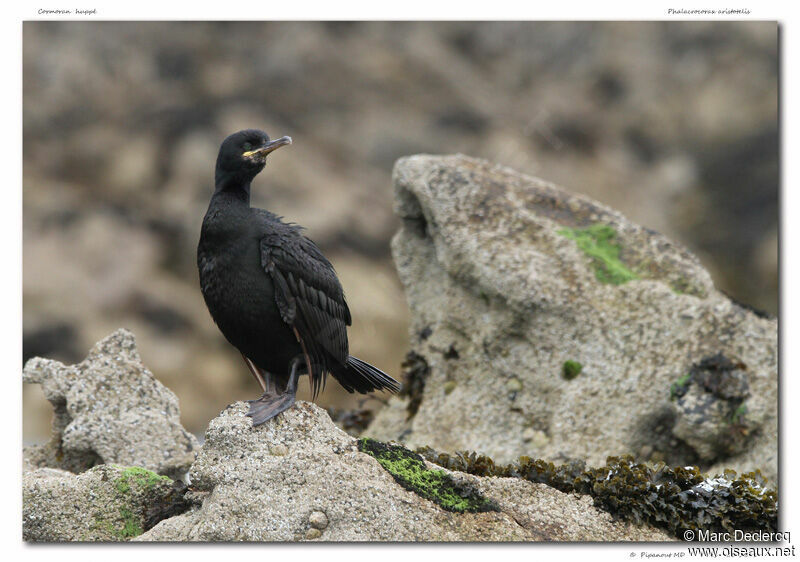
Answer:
(269, 147)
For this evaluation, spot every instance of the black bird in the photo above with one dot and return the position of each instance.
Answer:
(270, 290)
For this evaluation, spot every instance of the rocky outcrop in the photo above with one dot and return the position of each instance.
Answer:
(106, 503)
(299, 477)
(110, 409)
(548, 325)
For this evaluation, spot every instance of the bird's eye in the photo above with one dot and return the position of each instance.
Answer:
(247, 146)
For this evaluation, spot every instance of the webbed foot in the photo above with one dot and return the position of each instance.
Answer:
(273, 403)
(269, 406)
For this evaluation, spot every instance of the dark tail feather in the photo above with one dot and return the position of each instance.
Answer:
(359, 376)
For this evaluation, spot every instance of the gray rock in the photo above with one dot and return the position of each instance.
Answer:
(323, 488)
(710, 404)
(106, 503)
(502, 295)
(110, 409)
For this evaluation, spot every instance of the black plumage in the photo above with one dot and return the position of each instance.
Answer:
(271, 291)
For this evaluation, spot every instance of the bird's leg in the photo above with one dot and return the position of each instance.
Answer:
(257, 373)
(271, 404)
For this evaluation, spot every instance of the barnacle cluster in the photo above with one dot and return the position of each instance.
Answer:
(673, 498)
(410, 471)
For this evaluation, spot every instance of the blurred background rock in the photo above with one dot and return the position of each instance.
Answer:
(674, 124)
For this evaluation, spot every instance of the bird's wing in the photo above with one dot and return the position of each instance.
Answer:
(309, 298)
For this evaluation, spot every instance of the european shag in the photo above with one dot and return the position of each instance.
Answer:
(271, 292)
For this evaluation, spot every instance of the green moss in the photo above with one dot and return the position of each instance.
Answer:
(409, 470)
(571, 369)
(131, 525)
(673, 498)
(678, 388)
(143, 499)
(737, 417)
(124, 527)
(598, 241)
(141, 477)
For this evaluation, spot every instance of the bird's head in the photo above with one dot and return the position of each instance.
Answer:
(244, 154)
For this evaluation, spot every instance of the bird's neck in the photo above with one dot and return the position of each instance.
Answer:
(231, 187)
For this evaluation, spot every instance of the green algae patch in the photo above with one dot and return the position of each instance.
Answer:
(134, 485)
(673, 498)
(125, 525)
(598, 241)
(131, 525)
(678, 388)
(409, 470)
(571, 369)
(138, 476)
(737, 417)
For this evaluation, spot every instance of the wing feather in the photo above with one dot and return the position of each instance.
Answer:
(309, 298)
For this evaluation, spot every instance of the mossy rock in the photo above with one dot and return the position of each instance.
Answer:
(138, 477)
(410, 471)
(105, 503)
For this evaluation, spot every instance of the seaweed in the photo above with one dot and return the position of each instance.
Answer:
(415, 371)
(673, 498)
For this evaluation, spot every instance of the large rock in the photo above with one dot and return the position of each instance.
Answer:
(549, 325)
(299, 477)
(110, 409)
(106, 503)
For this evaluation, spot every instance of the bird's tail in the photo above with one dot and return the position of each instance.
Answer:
(360, 376)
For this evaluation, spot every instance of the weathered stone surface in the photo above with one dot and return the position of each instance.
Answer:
(299, 477)
(110, 409)
(502, 295)
(106, 503)
(673, 123)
